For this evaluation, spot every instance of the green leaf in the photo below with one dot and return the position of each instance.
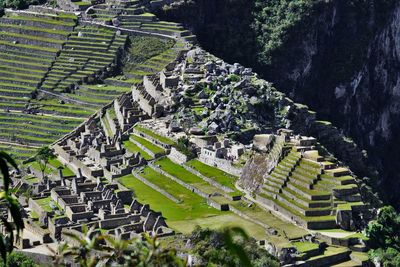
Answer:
(5, 172)
(3, 249)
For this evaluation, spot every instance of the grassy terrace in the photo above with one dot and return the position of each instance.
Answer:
(52, 167)
(283, 227)
(131, 147)
(45, 203)
(18, 152)
(193, 207)
(186, 215)
(219, 176)
(147, 144)
(52, 106)
(38, 119)
(95, 48)
(181, 173)
(154, 135)
(28, 47)
(50, 20)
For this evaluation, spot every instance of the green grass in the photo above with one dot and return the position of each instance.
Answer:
(170, 186)
(305, 246)
(34, 215)
(187, 177)
(197, 208)
(178, 171)
(131, 147)
(31, 28)
(219, 176)
(32, 179)
(24, 46)
(57, 164)
(193, 211)
(44, 20)
(154, 135)
(147, 144)
(44, 203)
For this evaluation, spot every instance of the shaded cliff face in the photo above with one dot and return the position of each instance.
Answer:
(346, 67)
(342, 60)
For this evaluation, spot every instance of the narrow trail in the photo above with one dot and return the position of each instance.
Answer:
(67, 98)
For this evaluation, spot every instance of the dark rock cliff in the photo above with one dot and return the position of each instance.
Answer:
(342, 61)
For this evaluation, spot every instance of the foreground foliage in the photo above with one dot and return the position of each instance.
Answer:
(8, 239)
(229, 247)
(96, 249)
(16, 259)
(384, 235)
(19, 4)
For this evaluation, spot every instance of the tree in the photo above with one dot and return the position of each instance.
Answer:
(7, 240)
(229, 247)
(43, 156)
(384, 236)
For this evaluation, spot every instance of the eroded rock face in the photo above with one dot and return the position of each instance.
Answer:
(360, 96)
(253, 171)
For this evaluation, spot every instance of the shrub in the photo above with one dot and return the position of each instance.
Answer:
(17, 259)
(384, 235)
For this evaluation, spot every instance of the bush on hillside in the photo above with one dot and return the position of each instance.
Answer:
(384, 235)
(214, 248)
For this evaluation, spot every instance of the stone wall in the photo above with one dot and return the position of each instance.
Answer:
(177, 156)
(43, 233)
(33, 205)
(144, 104)
(222, 164)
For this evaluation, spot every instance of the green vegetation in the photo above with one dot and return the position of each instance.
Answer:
(154, 135)
(143, 48)
(17, 259)
(43, 156)
(147, 144)
(214, 248)
(12, 206)
(384, 235)
(45, 203)
(178, 171)
(305, 246)
(170, 210)
(219, 176)
(19, 4)
(131, 147)
(183, 145)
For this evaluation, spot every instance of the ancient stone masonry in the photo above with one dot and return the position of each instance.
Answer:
(184, 135)
(80, 201)
(221, 155)
(310, 190)
(132, 15)
(97, 154)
